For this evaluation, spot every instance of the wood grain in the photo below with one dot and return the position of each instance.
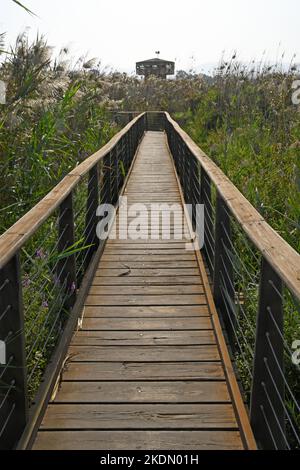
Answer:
(181, 282)
(123, 300)
(143, 338)
(143, 392)
(176, 370)
(169, 324)
(144, 353)
(139, 440)
(195, 416)
(133, 290)
(141, 312)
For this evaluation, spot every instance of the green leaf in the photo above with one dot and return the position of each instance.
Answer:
(122, 168)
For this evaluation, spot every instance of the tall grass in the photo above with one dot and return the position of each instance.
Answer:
(247, 123)
(52, 120)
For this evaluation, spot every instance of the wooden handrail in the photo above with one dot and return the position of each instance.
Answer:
(280, 255)
(15, 237)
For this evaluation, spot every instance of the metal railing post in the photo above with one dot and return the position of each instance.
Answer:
(66, 267)
(267, 409)
(13, 373)
(223, 278)
(206, 199)
(106, 186)
(117, 173)
(91, 219)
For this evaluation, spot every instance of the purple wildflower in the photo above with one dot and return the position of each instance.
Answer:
(73, 287)
(40, 253)
(26, 281)
(45, 304)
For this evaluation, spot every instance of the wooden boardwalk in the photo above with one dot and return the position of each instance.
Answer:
(149, 368)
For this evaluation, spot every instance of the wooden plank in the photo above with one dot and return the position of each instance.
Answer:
(166, 175)
(143, 392)
(143, 338)
(157, 209)
(137, 180)
(145, 272)
(196, 416)
(150, 227)
(164, 206)
(165, 195)
(196, 299)
(188, 323)
(157, 257)
(170, 188)
(144, 353)
(166, 198)
(157, 193)
(149, 215)
(152, 232)
(171, 182)
(155, 216)
(170, 311)
(127, 250)
(152, 440)
(180, 282)
(147, 265)
(82, 371)
(147, 236)
(144, 290)
(132, 245)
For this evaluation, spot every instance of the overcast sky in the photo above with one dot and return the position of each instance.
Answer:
(192, 32)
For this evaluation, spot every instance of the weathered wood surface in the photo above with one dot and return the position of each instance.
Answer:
(141, 312)
(143, 338)
(144, 353)
(135, 440)
(179, 370)
(145, 370)
(135, 416)
(197, 323)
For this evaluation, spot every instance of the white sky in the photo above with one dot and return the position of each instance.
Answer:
(194, 32)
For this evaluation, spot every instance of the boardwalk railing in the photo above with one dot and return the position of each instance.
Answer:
(46, 262)
(256, 287)
(48, 258)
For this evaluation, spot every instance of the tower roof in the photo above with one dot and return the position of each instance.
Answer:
(156, 60)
